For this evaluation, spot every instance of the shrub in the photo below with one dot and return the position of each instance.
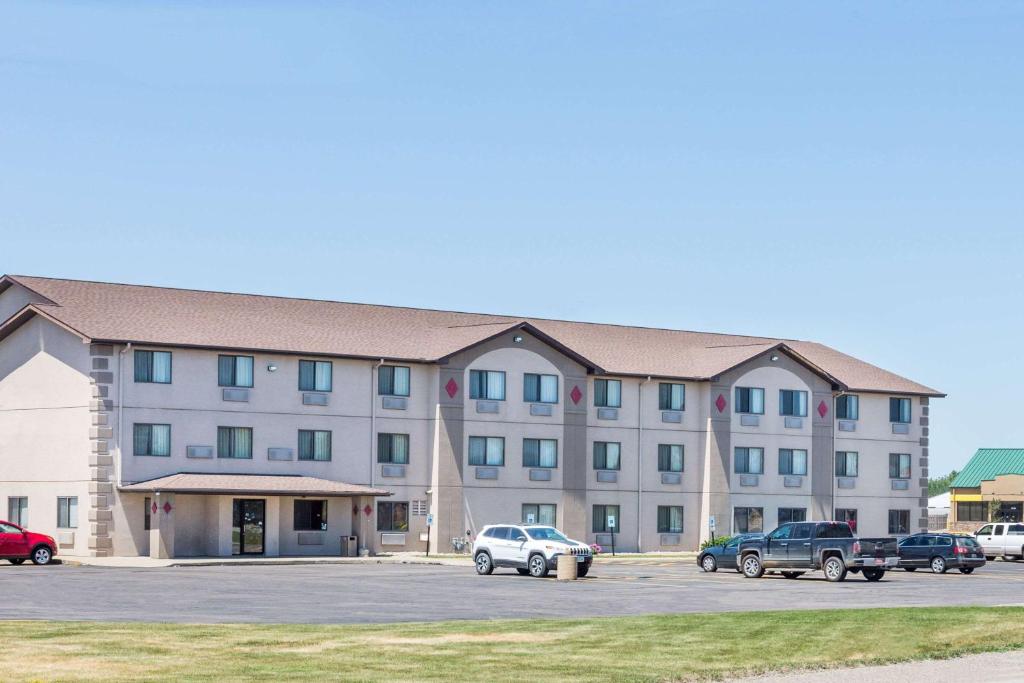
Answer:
(719, 540)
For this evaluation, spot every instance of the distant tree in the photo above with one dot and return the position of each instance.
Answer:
(937, 485)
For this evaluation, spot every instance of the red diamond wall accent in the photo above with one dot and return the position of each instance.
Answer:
(576, 394)
(168, 507)
(822, 409)
(452, 388)
(154, 508)
(367, 510)
(720, 403)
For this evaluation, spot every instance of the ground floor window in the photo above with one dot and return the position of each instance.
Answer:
(670, 519)
(147, 513)
(1008, 512)
(748, 520)
(787, 515)
(310, 515)
(899, 521)
(972, 512)
(606, 519)
(848, 515)
(539, 513)
(392, 516)
(17, 510)
(67, 512)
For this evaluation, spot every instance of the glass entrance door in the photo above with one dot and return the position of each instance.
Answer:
(247, 526)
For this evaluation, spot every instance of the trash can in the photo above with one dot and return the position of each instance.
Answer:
(349, 546)
(566, 568)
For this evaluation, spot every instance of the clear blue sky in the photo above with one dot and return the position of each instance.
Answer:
(849, 173)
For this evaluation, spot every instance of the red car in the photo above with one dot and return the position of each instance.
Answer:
(18, 545)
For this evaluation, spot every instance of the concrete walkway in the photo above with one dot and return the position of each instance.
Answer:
(1001, 667)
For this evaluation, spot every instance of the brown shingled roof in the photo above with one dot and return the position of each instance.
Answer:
(182, 317)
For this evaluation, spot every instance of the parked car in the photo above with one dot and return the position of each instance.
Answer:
(18, 545)
(530, 549)
(940, 552)
(713, 557)
(800, 547)
(1003, 539)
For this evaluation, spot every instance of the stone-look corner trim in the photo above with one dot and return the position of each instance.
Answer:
(100, 461)
(923, 502)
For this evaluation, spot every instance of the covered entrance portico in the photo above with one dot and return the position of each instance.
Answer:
(220, 515)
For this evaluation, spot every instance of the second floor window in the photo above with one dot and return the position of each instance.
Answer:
(540, 453)
(487, 384)
(393, 380)
(607, 393)
(671, 396)
(847, 407)
(234, 371)
(393, 449)
(149, 439)
(540, 388)
(899, 410)
(899, 465)
(314, 445)
(607, 455)
(846, 463)
(750, 400)
(670, 457)
(487, 450)
(749, 461)
(793, 462)
(153, 366)
(234, 442)
(315, 375)
(792, 403)
(670, 519)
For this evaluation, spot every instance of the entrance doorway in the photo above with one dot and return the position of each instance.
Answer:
(247, 532)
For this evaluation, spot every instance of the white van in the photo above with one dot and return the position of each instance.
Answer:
(1005, 539)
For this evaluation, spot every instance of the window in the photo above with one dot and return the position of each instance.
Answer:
(604, 516)
(792, 461)
(971, 512)
(487, 450)
(393, 380)
(899, 465)
(899, 521)
(487, 384)
(834, 530)
(234, 442)
(17, 510)
(748, 520)
(750, 400)
(607, 455)
(792, 403)
(671, 396)
(315, 375)
(788, 515)
(314, 445)
(540, 453)
(985, 530)
(749, 461)
(67, 512)
(152, 440)
(153, 367)
(847, 407)
(670, 457)
(848, 515)
(234, 371)
(540, 513)
(147, 519)
(846, 463)
(801, 531)
(540, 388)
(899, 410)
(607, 393)
(670, 519)
(392, 516)
(310, 515)
(393, 449)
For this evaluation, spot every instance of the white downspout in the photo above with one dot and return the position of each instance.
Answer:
(373, 422)
(118, 465)
(640, 467)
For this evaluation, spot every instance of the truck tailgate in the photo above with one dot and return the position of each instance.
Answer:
(877, 547)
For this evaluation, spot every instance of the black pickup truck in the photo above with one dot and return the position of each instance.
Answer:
(800, 547)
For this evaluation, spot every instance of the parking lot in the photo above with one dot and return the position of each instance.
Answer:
(392, 593)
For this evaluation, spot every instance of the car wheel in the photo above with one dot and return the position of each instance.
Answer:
(938, 565)
(910, 569)
(523, 571)
(966, 570)
(792, 575)
(484, 565)
(538, 566)
(582, 571)
(752, 567)
(708, 563)
(17, 560)
(835, 569)
(874, 574)
(41, 555)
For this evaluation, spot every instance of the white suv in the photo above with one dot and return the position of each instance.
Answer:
(531, 549)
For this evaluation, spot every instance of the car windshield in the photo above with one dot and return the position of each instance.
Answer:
(546, 533)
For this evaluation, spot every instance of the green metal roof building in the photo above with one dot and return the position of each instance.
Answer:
(989, 488)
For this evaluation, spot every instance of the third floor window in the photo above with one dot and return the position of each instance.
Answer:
(847, 407)
(607, 393)
(750, 400)
(487, 384)
(393, 380)
(899, 410)
(792, 403)
(540, 388)
(671, 396)
(315, 375)
(234, 371)
(153, 367)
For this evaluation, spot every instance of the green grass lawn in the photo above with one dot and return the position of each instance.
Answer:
(650, 648)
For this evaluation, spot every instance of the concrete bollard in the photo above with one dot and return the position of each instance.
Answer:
(566, 568)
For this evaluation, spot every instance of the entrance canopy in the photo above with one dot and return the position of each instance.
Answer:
(251, 484)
